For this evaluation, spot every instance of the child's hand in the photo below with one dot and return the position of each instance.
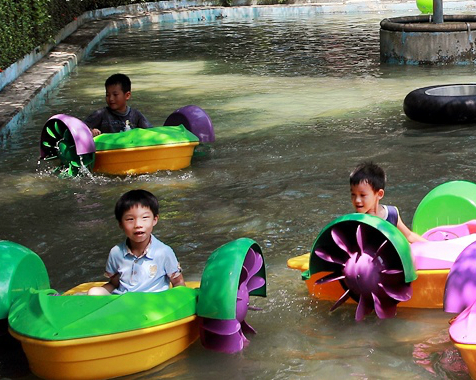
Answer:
(95, 132)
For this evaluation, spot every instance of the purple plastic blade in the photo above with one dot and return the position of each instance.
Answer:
(381, 250)
(242, 302)
(223, 343)
(244, 275)
(344, 297)
(393, 272)
(364, 307)
(393, 277)
(384, 307)
(331, 259)
(329, 278)
(460, 289)
(360, 240)
(247, 329)
(402, 292)
(255, 283)
(250, 259)
(253, 262)
(220, 326)
(338, 238)
(366, 240)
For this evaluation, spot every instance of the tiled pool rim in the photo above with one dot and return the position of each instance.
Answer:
(26, 84)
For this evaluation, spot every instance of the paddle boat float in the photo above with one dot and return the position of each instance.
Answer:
(137, 151)
(98, 337)
(364, 259)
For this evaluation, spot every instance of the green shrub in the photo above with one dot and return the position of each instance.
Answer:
(26, 24)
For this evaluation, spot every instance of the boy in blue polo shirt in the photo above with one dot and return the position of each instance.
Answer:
(141, 263)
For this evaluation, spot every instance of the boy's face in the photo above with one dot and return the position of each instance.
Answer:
(117, 99)
(364, 199)
(138, 223)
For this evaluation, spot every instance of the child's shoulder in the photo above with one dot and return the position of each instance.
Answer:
(154, 241)
(121, 246)
(391, 207)
(158, 245)
(135, 111)
(392, 214)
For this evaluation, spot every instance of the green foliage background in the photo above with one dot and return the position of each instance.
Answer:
(26, 24)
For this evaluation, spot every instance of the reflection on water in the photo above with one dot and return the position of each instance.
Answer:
(296, 104)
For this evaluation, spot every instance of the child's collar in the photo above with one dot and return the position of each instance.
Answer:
(128, 109)
(144, 253)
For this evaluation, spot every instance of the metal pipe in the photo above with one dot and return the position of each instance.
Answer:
(438, 11)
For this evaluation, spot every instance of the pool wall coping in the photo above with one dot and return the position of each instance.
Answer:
(26, 84)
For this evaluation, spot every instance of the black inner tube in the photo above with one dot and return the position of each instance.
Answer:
(453, 90)
(444, 104)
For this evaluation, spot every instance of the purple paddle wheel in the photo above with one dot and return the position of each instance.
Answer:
(368, 267)
(228, 335)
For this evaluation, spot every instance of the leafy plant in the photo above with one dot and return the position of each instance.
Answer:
(26, 24)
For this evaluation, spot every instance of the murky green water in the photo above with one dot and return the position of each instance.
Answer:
(296, 104)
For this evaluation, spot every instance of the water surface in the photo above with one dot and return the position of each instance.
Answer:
(296, 104)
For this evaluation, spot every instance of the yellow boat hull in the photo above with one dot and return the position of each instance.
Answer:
(468, 353)
(428, 288)
(109, 356)
(144, 160)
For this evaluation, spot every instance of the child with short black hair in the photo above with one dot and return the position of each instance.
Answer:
(367, 188)
(142, 263)
(117, 116)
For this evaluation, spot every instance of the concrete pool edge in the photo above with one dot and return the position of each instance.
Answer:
(30, 88)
